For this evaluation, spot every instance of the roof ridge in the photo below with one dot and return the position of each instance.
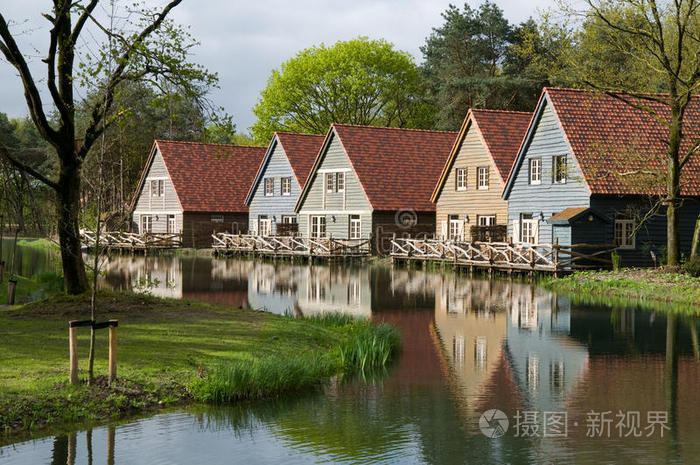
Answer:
(188, 142)
(299, 133)
(392, 128)
(608, 92)
(501, 111)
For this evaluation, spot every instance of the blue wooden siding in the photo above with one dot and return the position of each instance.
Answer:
(337, 207)
(547, 140)
(651, 236)
(276, 167)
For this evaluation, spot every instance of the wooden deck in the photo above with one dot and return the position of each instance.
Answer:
(280, 246)
(133, 242)
(503, 256)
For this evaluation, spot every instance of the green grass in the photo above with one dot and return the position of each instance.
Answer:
(38, 286)
(652, 288)
(39, 244)
(170, 351)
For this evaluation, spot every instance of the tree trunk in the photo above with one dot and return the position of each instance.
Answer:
(673, 188)
(67, 211)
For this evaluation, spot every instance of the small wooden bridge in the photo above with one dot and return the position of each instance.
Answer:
(134, 242)
(279, 246)
(504, 256)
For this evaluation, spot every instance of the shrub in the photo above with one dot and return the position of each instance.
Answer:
(692, 266)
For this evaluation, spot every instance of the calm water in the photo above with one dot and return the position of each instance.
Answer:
(470, 345)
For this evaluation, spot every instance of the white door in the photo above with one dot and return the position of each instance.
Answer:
(265, 226)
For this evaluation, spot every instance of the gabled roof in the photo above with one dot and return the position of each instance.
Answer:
(571, 214)
(301, 151)
(396, 167)
(621, 150)
(207, 177)
(501, 132)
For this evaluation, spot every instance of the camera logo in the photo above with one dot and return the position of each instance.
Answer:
(493, 423)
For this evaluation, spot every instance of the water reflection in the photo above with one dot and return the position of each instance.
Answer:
(469, 345)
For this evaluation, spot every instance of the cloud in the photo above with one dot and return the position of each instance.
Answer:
(244, 40)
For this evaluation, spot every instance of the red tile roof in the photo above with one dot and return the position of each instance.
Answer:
(503, 131)
(210, 177)
(612, 140)
(397, 167)
(301, 150)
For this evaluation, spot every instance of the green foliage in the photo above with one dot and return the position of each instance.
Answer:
(472, 61)
(360, 81)
(369, 347)
(616, 260)
(692, 266)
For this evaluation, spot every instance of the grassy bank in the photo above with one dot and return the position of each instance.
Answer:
(28, 289)
(170, 351)
(669, 290)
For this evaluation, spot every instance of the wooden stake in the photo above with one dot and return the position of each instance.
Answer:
(113, 350)
(73, 349)
(11, 288)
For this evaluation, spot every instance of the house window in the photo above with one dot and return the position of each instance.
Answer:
(483, 177)
(217, 218)
(355, 227)
(146, 223)
(536, 170)
(340, 182)
(528, 229)
(289, 219)
(461, 179)
(455, 231)
(330, 182)
(624, 233)
(559, 164)
(286, 186)
(269, 187)
(318, 226)
(486, 220)
(157, 188)
(265, 228)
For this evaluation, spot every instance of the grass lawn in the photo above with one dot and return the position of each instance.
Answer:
(658, 288)
(165, 346)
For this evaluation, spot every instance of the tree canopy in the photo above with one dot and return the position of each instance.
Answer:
(360, 81)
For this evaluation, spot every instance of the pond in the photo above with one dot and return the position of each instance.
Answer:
(491, 371)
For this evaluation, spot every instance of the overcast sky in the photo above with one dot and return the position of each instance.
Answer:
(244, 40)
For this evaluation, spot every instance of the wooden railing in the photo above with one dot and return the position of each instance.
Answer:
(127, 240)
(290, 245)
(504, 255)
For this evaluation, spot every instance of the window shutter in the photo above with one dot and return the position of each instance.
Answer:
(444, 229)
(536, 231)
(460, 230)
(516, 231)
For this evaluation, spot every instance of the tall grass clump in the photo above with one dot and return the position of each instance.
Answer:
(369, 347)
(262, 378)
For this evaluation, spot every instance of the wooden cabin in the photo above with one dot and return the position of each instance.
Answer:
(279, 181)
(591, 168)
(195, 190)
(468, 193)
(372, 182)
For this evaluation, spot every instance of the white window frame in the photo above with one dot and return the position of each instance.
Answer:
(265, 225)
(269, 187)
(460, 179)
(289, 219)
(286, 186)
(146, 223)
(330, 183)
(557, 170)
(455, 227)
(535, 167)
(528, 230)
(624, 235)
(482, 178)
(315, 224)
(340, 182)
(355, 222)
(486, 220)
(159, 190)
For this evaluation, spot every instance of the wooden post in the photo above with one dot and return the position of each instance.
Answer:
(556, 257)
(113, 324)
(73, 350)
(694, 248)
(110, 444)
(11, 289)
